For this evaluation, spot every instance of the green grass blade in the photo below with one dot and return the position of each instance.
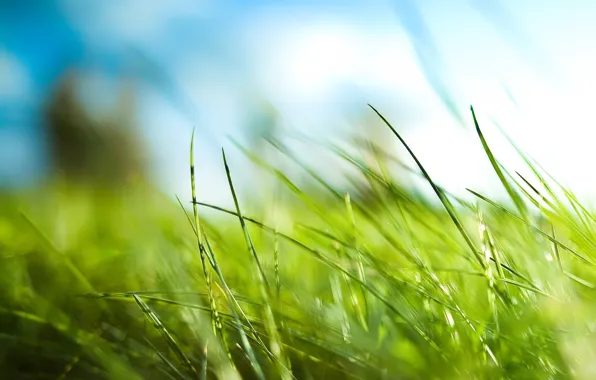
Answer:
(517, 200)
(440, 194)
(159, 326)
(263, 282)
(249, 243)
(215, 319)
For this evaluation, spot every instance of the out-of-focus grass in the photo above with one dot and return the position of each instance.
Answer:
(125, 284)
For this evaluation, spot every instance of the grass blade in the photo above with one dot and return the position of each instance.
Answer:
(159, 326)
(440, 194)
(515, 197)
(247, 237)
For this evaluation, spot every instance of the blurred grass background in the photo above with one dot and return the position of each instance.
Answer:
(323, 258)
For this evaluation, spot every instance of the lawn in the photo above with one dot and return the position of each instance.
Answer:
(127, 283)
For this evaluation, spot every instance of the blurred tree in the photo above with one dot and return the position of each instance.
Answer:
(102, 150)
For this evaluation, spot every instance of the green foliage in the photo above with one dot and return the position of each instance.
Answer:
(126, 284)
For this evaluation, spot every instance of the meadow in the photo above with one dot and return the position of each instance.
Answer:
(126, 283)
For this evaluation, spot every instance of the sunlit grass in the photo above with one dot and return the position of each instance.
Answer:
(126, 284)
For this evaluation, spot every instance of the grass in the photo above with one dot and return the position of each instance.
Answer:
(126, 284)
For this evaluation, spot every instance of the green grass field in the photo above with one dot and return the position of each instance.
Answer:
(127, 284)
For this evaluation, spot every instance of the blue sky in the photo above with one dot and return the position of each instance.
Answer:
(315, 60)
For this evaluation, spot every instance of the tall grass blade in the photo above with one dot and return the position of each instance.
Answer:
(440, 194)
(159, 326)
(216, 324)
(517, 200)
(249, 243)
(263, 283)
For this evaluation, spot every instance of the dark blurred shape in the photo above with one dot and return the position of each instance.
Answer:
(103, 150)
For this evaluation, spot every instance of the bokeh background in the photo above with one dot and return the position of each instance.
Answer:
(140, 75)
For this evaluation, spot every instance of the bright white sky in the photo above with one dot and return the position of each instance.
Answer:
(545, 60)
(303, 58)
